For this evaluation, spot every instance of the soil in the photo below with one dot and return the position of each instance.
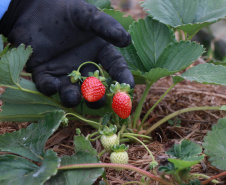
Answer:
(193, 126)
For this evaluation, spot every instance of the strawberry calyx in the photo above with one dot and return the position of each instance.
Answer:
(123, 87)
(75, 76)
(119, 148)
(97, 75)
(109, 131)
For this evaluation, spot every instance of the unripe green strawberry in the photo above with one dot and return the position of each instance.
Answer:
(109, 138)
(119, 155)
(109, 141)
(92, 89)
(122, 104)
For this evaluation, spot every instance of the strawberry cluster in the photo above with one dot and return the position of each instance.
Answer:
(93, 88)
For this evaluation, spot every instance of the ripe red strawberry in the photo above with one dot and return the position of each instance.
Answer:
(122, 104)
(92, 89)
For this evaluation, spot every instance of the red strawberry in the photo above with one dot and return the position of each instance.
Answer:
(122, 104)
(92, 89)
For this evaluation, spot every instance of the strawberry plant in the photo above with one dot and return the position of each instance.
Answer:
(153, 54)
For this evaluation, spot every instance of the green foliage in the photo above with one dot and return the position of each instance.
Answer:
(125, 21)
(30, 142)
(12, 63)
(215, 144)
(150, 38)
(16, 170)
(189, 16)
(156, 54)
(26, 146)
(186, 154)
(184, 150)
(84, 154)
(207, 74)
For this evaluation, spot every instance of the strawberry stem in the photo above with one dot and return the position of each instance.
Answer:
(120, 132)
(115, 166)
(140, 105)
(90, 62)
(132, 137)
(90, 122)
(174, 114)
(159, 100)
(197, 175)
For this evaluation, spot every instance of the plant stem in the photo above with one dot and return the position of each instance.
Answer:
(115, 166)
(93, 134)
(120, 132)
(90, 62)
(159, 100)
(140, 105)
(129, 136)
(170, 116)
(94, 139)
(138, 135)
(25, 74)
(197, 175)
(214, 177)
(102, 153)
(92, 123)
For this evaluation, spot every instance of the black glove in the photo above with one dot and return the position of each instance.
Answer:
(63, 35)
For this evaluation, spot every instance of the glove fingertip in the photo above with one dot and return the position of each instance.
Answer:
(70, 97)
(96, 105)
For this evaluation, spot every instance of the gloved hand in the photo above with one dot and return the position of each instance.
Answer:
(63, 35)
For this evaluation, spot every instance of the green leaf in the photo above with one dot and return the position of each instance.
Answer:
(177, 79)
(16, 170)
(78, 176)
(155, 74)
(85, 153)
(184, 150)
(150, 38)
(179, 55)
(215, 144)
(186, 162)
(24, 112)
(190, 16)
(30, 142)
(132, 58)
(83, 145)
(207, 73)
(12, 63)
(106, 118)
(27, 104)
(125, 21)
(100, 3)
(223, 107)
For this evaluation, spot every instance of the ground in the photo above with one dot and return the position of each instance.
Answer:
(193, 126)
